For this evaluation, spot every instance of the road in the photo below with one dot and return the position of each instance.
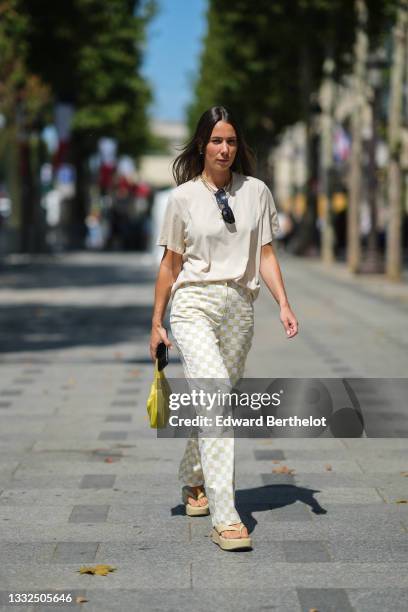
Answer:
(84, 480)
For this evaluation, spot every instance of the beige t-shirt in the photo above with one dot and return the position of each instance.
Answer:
(212, 249)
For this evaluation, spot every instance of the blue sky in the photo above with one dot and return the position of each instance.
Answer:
(172, 53)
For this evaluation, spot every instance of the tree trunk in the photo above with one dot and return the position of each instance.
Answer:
(393, 256)
(353, 211)
(80, 201)
(326, 160)
(307, 236)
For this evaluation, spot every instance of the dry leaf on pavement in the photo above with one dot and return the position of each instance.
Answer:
(283, 469)
(328, 467)
(401, 501)
(276, 461)
(81, 599)
(97, 570)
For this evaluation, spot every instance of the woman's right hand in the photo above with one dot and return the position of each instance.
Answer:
(158, 335)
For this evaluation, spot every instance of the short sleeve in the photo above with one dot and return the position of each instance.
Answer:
(172, 229)
(270, 223)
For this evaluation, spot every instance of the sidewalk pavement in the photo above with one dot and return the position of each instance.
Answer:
(84, 479)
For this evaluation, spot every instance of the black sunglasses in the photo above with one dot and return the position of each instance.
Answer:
(222, 202)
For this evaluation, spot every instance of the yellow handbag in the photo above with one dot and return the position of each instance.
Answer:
(158, 400)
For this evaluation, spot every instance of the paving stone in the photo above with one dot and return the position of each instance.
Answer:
(10, 515)
(11, 392)
(113, 435)
(75, 552)
(304, 466)
(47, 579)
(120, 418)
(305, 551)
(129, 391)
(5, 404)
(174, 529)
(97, 481)
(293, 512)
(354, 495)
(375, 549)
(42, 482)
(101, 455)
(269, 455)
(332, 575)
(169, 600)
(330, 480)
(378, 600)
(33, 371)
(17, 552)
(326, 600)
(88, 514)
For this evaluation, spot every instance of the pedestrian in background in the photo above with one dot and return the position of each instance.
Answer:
(218, 230)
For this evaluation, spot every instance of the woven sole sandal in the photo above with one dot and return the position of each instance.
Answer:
(230, 543)
(187, 492)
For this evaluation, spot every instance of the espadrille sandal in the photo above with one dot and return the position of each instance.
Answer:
(230, 543)
(187, 492)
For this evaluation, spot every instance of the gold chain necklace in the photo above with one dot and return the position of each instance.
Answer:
(226, 188)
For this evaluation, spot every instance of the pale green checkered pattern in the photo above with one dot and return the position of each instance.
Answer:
(212, 324)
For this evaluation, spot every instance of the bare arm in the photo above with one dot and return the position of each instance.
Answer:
(270, 272)
(170, 267)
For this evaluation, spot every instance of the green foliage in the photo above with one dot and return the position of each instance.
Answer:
(17, 85)
(266, 63)
(91, 56)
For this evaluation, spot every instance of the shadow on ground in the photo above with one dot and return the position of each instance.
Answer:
(267, 498)
(39, 325)
(60, 274)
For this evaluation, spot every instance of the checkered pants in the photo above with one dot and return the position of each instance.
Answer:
(212, 324)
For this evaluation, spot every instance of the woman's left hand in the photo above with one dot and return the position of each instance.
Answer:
(289, 321)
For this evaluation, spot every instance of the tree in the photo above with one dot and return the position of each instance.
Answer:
(394, 242)
(91, 57)
(353, 212)
(266, 64)
(24, 98)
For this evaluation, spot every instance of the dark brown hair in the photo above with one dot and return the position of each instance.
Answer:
(190, 163)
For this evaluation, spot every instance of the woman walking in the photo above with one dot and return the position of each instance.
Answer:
(217, 232)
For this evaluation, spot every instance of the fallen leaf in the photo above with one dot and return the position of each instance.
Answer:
(283, 469)
(80, 599)
(276, 461)
(313, 610)
(404, 474)
(108, 460)
(97, 570)
(401, 501)
(328, 467)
